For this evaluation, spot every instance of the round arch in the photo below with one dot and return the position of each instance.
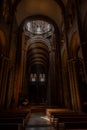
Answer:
(44, 7)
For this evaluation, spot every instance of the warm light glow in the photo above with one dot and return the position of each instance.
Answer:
(32, 77)
(45, 118)
(40, 77)
(38, 27)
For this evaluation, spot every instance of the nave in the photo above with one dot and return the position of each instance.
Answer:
(42, 118)
(43, 61)
(39, 121)
(56, 119)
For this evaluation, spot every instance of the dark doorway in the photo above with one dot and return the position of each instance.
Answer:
(37, 93)
(37, 85)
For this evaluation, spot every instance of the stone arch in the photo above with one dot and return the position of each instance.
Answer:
(44, 7)
(37, 40)
(41, 59)
(38, 51)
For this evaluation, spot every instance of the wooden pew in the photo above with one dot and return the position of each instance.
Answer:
(14, 119)
(72, 125)
(63, 119)
(5, 126)
(49, 111)
(70, 121)
(21, 116)
(55, 116)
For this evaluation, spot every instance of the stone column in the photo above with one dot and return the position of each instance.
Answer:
(66, 89)
(84, 51)
(18, 73)
(10, 90)
(74, 86)
(1, 71)
(52, 80)
(23, 65)
(83, 39)
(4, 76)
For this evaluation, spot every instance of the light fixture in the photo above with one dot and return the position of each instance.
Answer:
(38, 27)
(37, 77)
(42, 77)
(33, 77)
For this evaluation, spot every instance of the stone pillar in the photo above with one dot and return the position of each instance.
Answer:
(18, 73)
(23, 66)
(20, 83)
(10, 90)
(83, 39)
(4, 76)
(1, 71)
(74, 86)
(51, 80)
(66, 88)
(1, 11)
(84, 51)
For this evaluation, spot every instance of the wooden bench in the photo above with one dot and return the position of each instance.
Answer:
(21, 118)
(59, 120)
(49, 111)
(72, 125)
(10, 126)
(14, 119)
(53, 115)
(23, 115)
(63, 119)
(67, 120)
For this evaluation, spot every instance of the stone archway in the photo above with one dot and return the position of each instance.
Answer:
(37, 66)
(39, 51)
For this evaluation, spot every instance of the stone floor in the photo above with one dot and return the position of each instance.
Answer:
(38, 121)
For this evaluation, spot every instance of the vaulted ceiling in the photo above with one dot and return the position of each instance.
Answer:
(16, 2)
(49, 8)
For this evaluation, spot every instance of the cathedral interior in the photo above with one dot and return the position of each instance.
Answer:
(43, 54)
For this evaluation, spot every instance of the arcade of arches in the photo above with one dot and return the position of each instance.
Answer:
(43, 53)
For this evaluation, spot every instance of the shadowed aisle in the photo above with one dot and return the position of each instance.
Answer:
(38, 121)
